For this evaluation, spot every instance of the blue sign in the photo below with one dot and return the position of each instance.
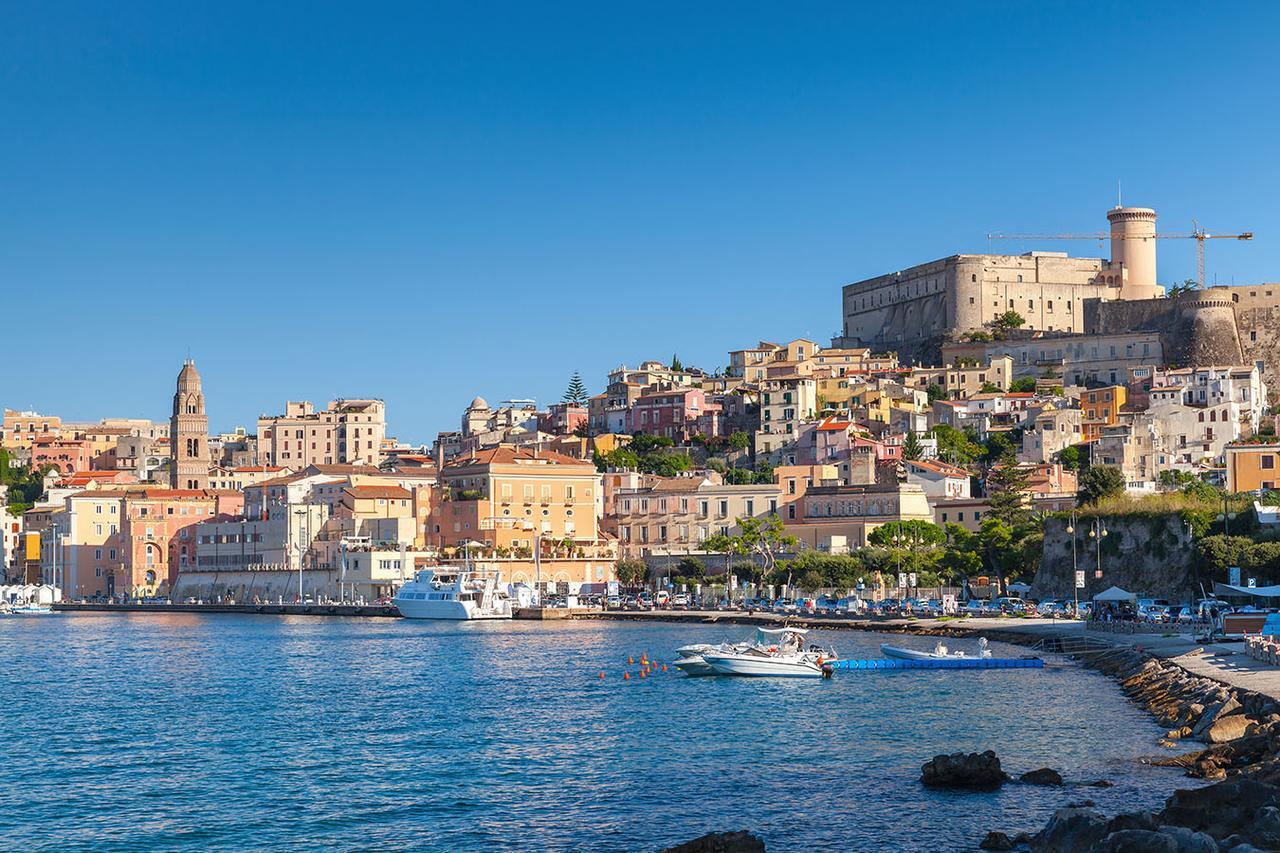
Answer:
(1233, 575)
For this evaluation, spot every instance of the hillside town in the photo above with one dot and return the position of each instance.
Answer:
(966, 404)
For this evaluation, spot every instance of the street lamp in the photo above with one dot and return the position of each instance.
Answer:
(1071, 530)
(1097, 533)
(302, 544)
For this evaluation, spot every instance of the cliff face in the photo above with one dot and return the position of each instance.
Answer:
(1149, 555)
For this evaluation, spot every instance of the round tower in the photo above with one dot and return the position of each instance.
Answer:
(1133, 243)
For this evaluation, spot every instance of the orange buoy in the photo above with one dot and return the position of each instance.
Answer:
(602, 676)
(630, 660)
(664, 667)
(626, 676)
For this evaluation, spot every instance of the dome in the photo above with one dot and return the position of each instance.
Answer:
(189, 378)
(478, 403)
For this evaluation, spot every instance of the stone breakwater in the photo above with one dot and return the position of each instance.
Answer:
(1240, 731)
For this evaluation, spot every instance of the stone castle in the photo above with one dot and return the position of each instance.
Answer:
(915, 311)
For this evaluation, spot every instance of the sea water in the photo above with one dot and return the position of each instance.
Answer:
(232, 732)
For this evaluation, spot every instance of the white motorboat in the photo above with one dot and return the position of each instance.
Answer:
(444, 592)
(31, 608)
(782, 652)
(940, 652)
(691, 662)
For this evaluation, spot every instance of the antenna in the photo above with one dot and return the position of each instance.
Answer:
(1119, 196)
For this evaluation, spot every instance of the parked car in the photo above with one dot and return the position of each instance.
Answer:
(614, 601)
(681, 599)
(1010, 605)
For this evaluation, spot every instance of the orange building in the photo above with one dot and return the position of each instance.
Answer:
(1100, 407)
(1251, 467)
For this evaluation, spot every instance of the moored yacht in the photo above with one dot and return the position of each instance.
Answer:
(446, 592)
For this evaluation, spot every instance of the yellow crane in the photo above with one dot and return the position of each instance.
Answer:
(1198, 234)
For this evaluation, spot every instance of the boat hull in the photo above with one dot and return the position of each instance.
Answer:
(457, 611)
(899, 653)
(763, 667)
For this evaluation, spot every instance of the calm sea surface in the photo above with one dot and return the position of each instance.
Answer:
(163, 732)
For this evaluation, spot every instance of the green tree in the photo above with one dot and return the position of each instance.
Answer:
(1069, 457)
(765, 538)
(1005, 322)
(915, 530)
(631, 572)
(1025, 385)
(1098, 482)
(576, 394)
(911, 447)
(935, 392)
(954, 446)
(989, 388)
(1006, 489)
(693, 568)
(730, 546)
(739, 440)
(675, 363)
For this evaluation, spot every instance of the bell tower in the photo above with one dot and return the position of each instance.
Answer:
(189, 433)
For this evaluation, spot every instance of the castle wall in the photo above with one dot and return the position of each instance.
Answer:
(1194, 330)
(913, 311)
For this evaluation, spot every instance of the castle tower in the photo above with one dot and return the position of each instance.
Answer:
(1133, 243)
(189, 433)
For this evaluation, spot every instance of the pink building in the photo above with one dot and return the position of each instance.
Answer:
(562, 419)
(676, 413)
(64, 454)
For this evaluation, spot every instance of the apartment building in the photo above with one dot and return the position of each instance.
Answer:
(675, 515)
(785, 403)
(838, 519)
(347, 432)
(963, 379)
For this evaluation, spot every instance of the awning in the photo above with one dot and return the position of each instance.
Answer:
(1115, 594)
(1227, 589)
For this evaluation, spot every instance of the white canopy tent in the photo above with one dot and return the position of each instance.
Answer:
(1227, 590)
(1115, 593)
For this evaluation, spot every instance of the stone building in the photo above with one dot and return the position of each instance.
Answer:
(189, 433)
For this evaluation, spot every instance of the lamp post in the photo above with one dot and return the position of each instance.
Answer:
(1071, 529)
(1097, 533)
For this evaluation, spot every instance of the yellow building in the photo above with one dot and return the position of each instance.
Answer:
(964, 380)
(21, 429)
(1251, 467)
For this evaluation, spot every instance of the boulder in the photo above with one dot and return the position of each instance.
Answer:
(1221, 809)
(1226, 728)
(996, 841)
(1101, 783)
(721, 842)
(1133, 820)
(1070, 831)
(1043, 776)
(978, 771)
(1266, 827)
(1189, 841)
(1135, 841)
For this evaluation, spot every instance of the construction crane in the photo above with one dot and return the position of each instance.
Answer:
(1198, 234)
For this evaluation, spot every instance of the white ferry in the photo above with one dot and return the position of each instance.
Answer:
(446, 592)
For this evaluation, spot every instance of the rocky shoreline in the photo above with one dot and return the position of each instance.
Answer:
(1240, 731)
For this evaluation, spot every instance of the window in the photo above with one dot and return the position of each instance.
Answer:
(1268, 462)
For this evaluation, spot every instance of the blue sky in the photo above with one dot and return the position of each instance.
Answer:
(424, 202)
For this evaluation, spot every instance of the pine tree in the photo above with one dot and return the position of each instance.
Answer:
(675, 362)
(576, 395)
(911, 448)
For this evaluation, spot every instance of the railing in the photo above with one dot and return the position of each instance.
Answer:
(1136, 627)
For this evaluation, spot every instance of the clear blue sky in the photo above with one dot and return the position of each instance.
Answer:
(424, 202)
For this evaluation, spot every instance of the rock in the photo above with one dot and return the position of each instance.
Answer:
(1135, 841)
(996, 841)
(979, 771)
(1266, 827)
(1069, 831)
(1083, 804)
(1245, 848)
(1226, 728)
(1166, 743)
(1189, 841)
(1207, 718)
(1101, 783)
(721, 842)
(1133, 820)
(1220, 809)
(1043, 776)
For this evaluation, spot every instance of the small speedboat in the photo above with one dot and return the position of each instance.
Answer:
(692, 662)
(781, 652)
(940, 652)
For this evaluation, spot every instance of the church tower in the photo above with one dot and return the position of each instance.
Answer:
(189, 433)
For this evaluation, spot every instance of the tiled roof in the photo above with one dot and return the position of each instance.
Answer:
(395, 492)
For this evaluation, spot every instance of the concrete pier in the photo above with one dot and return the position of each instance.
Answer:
(365, 610)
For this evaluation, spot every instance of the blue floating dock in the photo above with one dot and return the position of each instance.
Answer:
(954, 663)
